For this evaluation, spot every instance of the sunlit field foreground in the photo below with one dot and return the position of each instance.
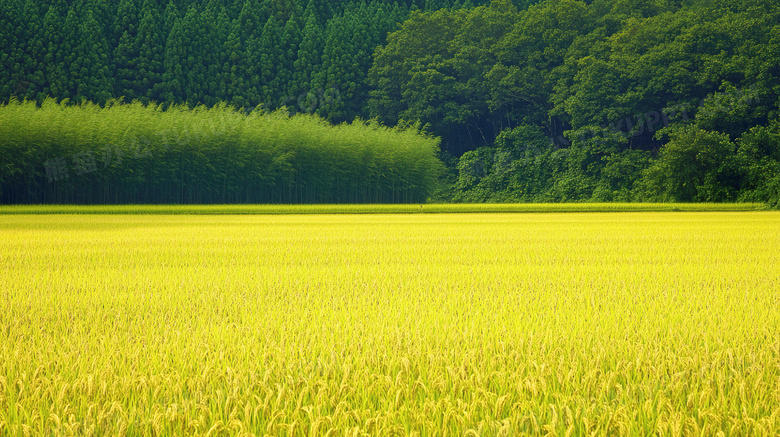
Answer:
(444, 324)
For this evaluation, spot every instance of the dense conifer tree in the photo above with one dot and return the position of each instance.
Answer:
(171, 15)
(234, 67)
(321, 10)
(33, 50)
(125, 21)
(55, 78)
(346, 51)
(91, 68)
(174, 68)
(290, 42)
(13, 53)
(124, 34)
(308, 61)
(270, 62)
(151, 51)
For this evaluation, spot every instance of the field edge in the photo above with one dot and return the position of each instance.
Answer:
(266, 209)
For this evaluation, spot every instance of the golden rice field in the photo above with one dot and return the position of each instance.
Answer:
(634, 323)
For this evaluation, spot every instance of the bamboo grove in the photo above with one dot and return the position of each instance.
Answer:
(135, 153)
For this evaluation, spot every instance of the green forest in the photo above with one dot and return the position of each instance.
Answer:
(525, 101)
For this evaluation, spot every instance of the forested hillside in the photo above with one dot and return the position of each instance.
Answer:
(603, 100)
(558, 100)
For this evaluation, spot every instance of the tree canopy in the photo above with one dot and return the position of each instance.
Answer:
(603, 100)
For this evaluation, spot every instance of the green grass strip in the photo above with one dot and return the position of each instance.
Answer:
(377, 208)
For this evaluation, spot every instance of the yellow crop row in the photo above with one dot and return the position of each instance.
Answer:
(448, 324)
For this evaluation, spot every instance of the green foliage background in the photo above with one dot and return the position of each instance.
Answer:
(534, 101)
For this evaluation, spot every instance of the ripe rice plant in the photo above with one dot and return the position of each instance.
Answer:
(638, 323)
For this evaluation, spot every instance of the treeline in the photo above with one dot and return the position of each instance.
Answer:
(603, 100)
(120, 153)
